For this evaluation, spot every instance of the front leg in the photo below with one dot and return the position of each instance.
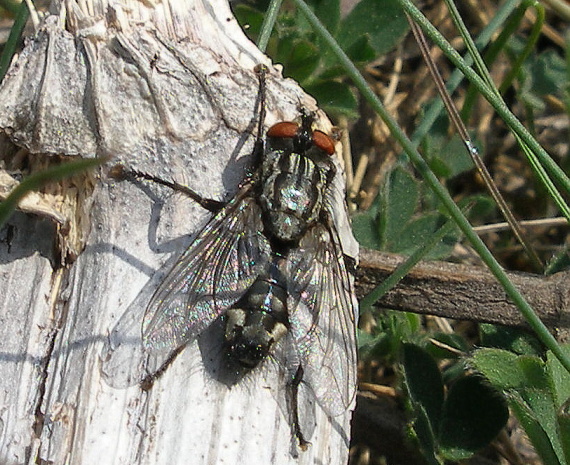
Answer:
(120, 172)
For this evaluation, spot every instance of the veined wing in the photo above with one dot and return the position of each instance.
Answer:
(322, 314)
(213, 273)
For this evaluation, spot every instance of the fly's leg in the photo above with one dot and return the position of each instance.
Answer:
(294, 407)
(120, 172)
(148, 381)
(350, 264)
(259, 146)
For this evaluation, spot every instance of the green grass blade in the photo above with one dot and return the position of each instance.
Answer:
(13, 39)
(268, 24)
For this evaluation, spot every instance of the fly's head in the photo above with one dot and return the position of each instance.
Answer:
(301, 138)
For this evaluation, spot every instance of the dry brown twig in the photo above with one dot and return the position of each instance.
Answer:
(466, 292)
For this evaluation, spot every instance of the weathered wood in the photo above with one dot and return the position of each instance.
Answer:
(27, 327)
(169, 90)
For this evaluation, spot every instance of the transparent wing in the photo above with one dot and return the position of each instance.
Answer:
(322, 314)
(218, 267)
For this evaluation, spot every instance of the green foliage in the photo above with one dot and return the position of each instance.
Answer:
(394, 223)
(455, 424)
(559, 262)
(447, 156)
(542, 74)
(473, 414)
(392, 330)
(538, 391)
(514, 340)
(381, 23)
(370, 30)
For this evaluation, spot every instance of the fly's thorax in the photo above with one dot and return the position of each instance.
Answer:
(293, 187)
(256, 322)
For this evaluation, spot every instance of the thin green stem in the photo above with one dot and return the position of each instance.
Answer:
(509, 28)
(268, 24)
(13, 39)
(462, 130)
(403, 269)
(456, 77)
(533, 157)
(529, 45)
(498, 104)
(471, 47)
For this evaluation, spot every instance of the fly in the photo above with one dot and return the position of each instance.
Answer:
(270, 265)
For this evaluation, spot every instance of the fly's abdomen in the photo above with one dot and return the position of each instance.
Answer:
(256, 322)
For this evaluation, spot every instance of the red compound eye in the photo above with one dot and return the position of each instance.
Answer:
(283, 129)
(323, 141)
(289, 130)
